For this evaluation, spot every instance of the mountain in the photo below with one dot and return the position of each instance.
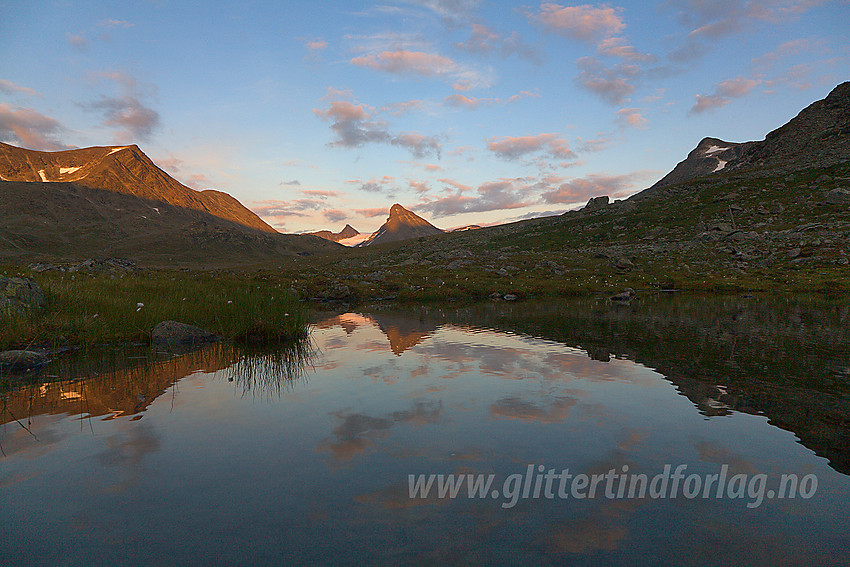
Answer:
(122, 169)
(347, 232)
(819, 136)
(114, 201)
(401, 225)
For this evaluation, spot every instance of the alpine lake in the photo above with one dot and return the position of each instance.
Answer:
(671, 430)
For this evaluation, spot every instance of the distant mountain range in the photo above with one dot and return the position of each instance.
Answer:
(401, 225)
(347, 232)
(114, 201)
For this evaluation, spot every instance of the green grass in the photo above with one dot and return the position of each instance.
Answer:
(84, 309)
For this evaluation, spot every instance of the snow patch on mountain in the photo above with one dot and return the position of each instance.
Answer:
(43, 176)
(67, 170)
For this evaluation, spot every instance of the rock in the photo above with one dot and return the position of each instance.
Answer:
(596, 203)
(22, 360)
(114, 266)
(838, 196)
(174, 333)
(20, 294)
(337, 291)
(624, 296)
(794, 252)
(457, 264)
(39, 267)
(511, 296)
(623, 264)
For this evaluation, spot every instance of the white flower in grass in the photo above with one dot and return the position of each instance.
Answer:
(139, 307)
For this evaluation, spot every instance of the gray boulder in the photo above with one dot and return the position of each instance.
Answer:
(596, 203)
(20, 294)
(174, 333)
(838, 196)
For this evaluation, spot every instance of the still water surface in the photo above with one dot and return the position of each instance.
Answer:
(227, 457)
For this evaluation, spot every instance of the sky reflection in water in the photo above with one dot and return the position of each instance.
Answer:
(197, 461)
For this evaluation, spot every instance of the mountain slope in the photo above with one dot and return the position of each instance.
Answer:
(99, 202)
(819, 136)
(401, 225)
(121, 169)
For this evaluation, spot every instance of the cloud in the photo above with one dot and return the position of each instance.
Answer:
(113, 23)
(78, 41)
(494, 195)
(30, 129)
(132, 119)
(322, 193)
(452, 12)
(631, 117)
(584, 23)
(375, 185)
(613, 84)
(581, 189)
(422, 64)
(335, 215)
(291, 182)
(277, 211)
(399, 108)
(784, 51)
(512, 148)
(10, 88)
(486, 41)
(356, 125)
(125, 111)
(614, 47)
(371, 213)
(314, 48)
(471, 103)
(723, 94)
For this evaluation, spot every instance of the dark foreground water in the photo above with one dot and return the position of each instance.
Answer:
(304, 456)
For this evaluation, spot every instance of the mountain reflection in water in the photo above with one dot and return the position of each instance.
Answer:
(302, 455)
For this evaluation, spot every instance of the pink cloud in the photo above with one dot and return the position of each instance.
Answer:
(581, 189)
(402, 61)
(30, 129)
(614, 47)
(335, 215)
(356, 125)
(10, 88)
(723, 94)
(631, 117)
(612, 84)
(371, 213)
(421, 64)
(484, 41)
(584, 23)
(516, 147)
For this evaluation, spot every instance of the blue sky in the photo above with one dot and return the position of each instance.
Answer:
(317, 114)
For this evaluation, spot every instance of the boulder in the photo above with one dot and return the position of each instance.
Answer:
(838, 196)
(20, 294)
(624, 296)
(596, 203)
(22, 360)
(174, 333)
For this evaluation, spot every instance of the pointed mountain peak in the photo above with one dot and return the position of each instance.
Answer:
(401, 225)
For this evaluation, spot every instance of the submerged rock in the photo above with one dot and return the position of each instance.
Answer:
(22, 360)
(175, 333)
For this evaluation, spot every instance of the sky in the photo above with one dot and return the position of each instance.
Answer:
(317, 114)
